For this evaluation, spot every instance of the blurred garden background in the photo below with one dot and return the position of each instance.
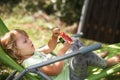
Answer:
(39, 17)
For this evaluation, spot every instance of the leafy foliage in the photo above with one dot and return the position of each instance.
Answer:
(66, 10)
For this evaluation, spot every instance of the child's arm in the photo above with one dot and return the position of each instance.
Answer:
(52, 42)
(55, 68)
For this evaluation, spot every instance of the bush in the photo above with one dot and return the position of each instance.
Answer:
(68, 11)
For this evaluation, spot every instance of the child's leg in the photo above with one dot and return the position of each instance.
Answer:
(103, 54)
(95, 60)
(92, 58)
(113, 60)
(77, 64)
(78, 68)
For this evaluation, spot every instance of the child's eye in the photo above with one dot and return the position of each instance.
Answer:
(25, 41)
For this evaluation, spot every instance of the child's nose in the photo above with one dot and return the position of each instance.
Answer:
(29, 41)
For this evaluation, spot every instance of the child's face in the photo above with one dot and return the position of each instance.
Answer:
(24, 44)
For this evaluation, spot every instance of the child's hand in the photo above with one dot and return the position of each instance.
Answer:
(66, 45)
(56, 32)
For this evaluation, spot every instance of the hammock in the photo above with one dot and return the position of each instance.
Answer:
(94, 75)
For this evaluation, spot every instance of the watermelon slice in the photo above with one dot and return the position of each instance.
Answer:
(65, 37)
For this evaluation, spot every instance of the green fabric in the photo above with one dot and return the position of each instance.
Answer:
(64, 75)
(39, 57)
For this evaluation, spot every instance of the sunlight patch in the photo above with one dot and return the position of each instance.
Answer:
(114, 46)
(110, 71)
(98, 71)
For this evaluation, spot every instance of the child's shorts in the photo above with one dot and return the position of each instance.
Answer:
(79, 64)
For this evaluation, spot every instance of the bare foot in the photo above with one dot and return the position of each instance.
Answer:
(103, 54)
(113, 60)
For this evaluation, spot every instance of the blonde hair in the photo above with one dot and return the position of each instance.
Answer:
(8, 43)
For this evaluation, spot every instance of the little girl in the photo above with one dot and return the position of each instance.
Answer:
(17, 45)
